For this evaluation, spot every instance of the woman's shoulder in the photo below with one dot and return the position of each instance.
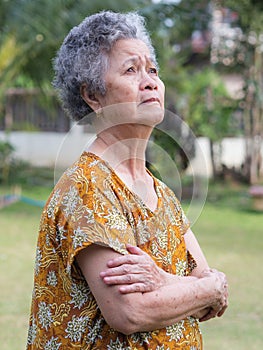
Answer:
(93, 164)
(86, 173)
(164, 189)
(88, 167)
(169, 196)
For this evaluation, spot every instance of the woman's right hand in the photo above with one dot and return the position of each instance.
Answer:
(134, 272)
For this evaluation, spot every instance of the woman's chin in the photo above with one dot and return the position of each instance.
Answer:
(151, 116)
(129, 113)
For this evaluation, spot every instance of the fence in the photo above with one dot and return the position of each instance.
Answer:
(27, 110)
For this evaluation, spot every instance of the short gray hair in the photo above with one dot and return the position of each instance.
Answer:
(83, 56)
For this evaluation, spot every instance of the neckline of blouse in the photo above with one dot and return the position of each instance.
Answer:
(155, 183)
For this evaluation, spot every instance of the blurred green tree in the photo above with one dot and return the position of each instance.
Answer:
(208, 109)
(195, 91)
(35, 29)
(31, 32)
(250, 21)
(6, 151)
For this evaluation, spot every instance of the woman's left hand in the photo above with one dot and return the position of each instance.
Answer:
(216, 310)
(134, 272)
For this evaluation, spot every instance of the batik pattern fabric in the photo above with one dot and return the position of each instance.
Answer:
(91, 205)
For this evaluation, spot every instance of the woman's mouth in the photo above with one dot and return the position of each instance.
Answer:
(151, 100)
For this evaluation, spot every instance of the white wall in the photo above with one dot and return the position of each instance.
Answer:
(60, 150)
(48, 148)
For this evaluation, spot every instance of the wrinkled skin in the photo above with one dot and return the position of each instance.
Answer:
(137, 272)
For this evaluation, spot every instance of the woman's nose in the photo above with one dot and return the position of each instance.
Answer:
(148, 82)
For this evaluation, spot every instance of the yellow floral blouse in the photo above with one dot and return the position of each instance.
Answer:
(91, 205)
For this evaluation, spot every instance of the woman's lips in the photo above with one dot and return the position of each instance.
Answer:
(151, 100)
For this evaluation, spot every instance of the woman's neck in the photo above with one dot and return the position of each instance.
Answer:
(124, 149)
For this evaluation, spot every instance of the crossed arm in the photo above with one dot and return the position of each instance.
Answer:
(134, 295)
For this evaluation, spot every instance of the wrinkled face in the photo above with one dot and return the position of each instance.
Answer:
(134, 89)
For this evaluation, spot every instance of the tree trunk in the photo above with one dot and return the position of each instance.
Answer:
(212, 154)
(253, 120)
(257, 110)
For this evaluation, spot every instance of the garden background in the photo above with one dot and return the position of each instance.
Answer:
(211, 59)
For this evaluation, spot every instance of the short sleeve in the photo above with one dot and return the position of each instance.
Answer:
(91, 213)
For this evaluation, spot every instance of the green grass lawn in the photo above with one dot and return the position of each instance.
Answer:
(231, 238)
(232, 242)
(18, 234)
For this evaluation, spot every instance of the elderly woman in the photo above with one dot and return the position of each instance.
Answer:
(117, 266)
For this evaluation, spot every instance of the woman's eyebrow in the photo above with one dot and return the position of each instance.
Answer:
(136, 59)
(131, 60)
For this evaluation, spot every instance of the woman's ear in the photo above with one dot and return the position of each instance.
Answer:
(90, 99)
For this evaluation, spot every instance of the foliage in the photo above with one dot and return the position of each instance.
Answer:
(201, 98)
(206, 104)
(171, 25)
(247, 9)
(196, 93)
(29, 26)
(35, 29)
(6, 150)
(252, 103)
(15, 171)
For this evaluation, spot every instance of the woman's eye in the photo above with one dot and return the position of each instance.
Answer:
(153, 71)
(131, 69)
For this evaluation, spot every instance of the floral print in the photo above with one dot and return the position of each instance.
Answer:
(53, 204)
(32, 332)
(181, 267)
(91, 205)
(70, 201)
(52, 279)
(79, 294)
(78, 238)
(76, 328)
(175, 332)
(52, 344)
(44, 315)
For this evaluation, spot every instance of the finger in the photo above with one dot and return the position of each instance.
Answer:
(118, 271)
(222, 311)
(134, 250)
(211, 314)
(124, 259)
(125, 279)
(117, 279)
(124, 269)
(136, 288)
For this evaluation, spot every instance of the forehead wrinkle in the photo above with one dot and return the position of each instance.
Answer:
(136, 59)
